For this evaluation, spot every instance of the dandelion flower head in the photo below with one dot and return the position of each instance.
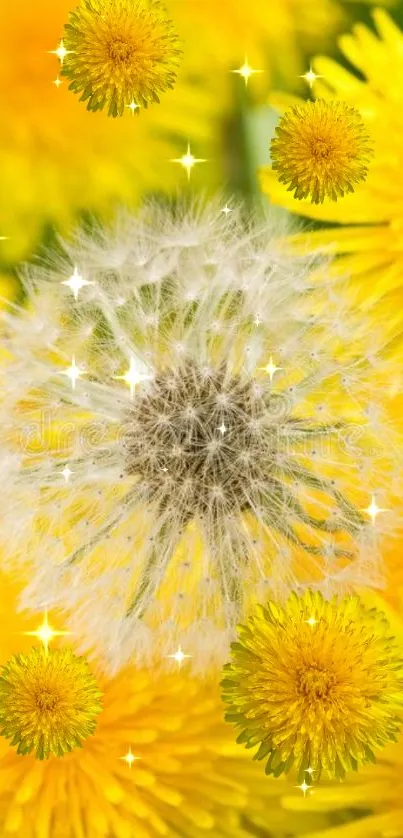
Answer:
(369, 802)
(186, 775)
(56, 160)
(119, 53)
(185, 425)
(316, 685)
(365, 229)
(49, 701)
(321, 150)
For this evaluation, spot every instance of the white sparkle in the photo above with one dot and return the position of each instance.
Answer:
(179, 656)
(257, 321)
(304, 788)
(246, 71)
(133, 377)
(66, 472)
(129, 758)
(310, 77)
(57, 82)
(74, 373)
(61, 52)
(133, 107)
(271, 368)
(312, 621)
(222, 428)
(373, 509)
(76, 283)
(188, 161)
(226, 210)
(45, 632)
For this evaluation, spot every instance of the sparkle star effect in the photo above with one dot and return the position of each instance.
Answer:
(133, 377)
(222, 428)
(179, 657)
(373, 509)
(133, 107)
(123, 52)
(299, 670)
(129, 758)
(188, 161)
(76, 283)
(74, 372)
(304, 788)
(310, 77)
(195, 337)
(311, 622)
(271, 368)
(226, 210)
(66, 472)
(246, 71)
(61, 52)
(45, 633)
(57, 82)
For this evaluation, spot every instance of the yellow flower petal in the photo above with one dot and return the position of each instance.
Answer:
(315, 685)
(379, 99)
(120, 53)
(190, 778)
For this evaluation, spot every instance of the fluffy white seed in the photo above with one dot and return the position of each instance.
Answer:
(215, 438)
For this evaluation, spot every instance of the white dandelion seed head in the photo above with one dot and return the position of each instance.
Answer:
(221, 440)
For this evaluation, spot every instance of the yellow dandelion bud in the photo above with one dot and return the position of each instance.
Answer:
(48, 702)
(315, 684)
(321, 149)
(120, 53)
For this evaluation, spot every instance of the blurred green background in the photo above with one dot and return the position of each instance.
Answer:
(60, 163)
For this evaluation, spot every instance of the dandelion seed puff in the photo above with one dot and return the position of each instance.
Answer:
(321, 149)
(120, 53)
(316, 685)
(217, 434)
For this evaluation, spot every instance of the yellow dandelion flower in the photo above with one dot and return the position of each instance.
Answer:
(55, 162)
(49, 702)
(369, 803)
(315, 684)
(188, 777)
(365, 231)
(320, 150)
(119, 53)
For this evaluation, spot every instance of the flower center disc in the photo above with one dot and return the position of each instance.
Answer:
(46, 701)
(120, 51)
(321, 149)
(202, 434)
(313, 682)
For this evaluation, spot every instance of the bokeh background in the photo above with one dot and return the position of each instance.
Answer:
(59, 163)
